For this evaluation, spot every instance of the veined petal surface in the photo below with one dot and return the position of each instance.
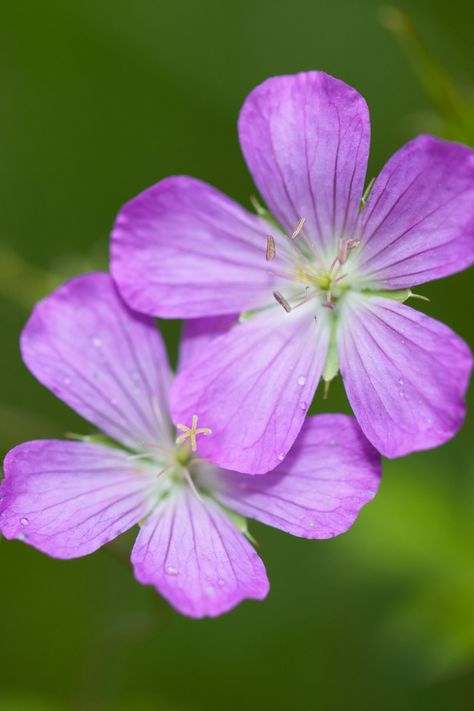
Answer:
(252, 387)
(196, 558)
(306, 141)
(105, 361)
(331, 471)
(405, 374)
(182, 249)
(418, 223)
(69, 498)
(198, 333)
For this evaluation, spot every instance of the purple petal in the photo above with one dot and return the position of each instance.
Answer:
(69, 498)
(182, 249)
(418, 223)
(318, 491)
(108, 363)
(196, 558)
(306, 141)
(198, 333)
(252, 387)
(405, 374)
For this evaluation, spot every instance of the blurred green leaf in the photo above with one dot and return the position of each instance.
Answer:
(455, 108)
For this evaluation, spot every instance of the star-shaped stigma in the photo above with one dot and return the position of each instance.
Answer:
(191, 433)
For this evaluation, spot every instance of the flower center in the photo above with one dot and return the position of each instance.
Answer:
(306, 271)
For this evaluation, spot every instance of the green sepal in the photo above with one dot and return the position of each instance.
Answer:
(247, 315)
(240, 522)
(366, 194)
(97, 438)
(331, 366)
(400, 295)
(263, 212)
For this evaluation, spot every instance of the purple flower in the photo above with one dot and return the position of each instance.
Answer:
(319, 293)
(69, 498)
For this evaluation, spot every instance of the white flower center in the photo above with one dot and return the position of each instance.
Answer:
(308, 273)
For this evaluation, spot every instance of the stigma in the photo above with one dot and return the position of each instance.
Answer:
(191, 433)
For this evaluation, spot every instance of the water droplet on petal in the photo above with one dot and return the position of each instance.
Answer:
(21, 537)
(221, 582)
(401, 381)
(402, 341)
(96, 342)
(171, 570)
(303, 405)
(67, 381)
(24, 521)
(281, 456)
(301, 380)
(401, 393)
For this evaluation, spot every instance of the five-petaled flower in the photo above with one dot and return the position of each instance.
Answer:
(320, 288)
(68, 498)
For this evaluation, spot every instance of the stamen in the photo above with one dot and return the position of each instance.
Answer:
(191, 433)
(270, 249)
(165, 470)
(156, 447)
(306, 299)
(188, 478)
(282, 301)
(161, 420)
(291, 240)
(298, 228)
(142, 455)
(344, 247)
(309, 244)
(282, 275)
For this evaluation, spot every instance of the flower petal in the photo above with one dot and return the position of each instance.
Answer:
(306, 141)
(317, 492)
(198, 333)
(418, 223)
(108, 363)
(182, 249)
(196, 558)
(69, 498)
(405, 374)
(252, 387)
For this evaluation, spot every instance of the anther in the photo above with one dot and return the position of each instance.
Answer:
(270, 254)
(298, 228)
(345, 247)
(282, 301)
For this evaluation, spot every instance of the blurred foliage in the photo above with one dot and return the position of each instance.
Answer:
(454, 107)
(99, 101)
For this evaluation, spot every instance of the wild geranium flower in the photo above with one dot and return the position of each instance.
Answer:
(68, 498)
(321, 288)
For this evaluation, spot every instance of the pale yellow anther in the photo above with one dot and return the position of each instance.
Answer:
(298, 228)
(191, 433)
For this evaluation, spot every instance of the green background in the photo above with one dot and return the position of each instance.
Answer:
(98, 100)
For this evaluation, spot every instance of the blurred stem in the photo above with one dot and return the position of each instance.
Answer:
(436, 81)
(21, 282)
